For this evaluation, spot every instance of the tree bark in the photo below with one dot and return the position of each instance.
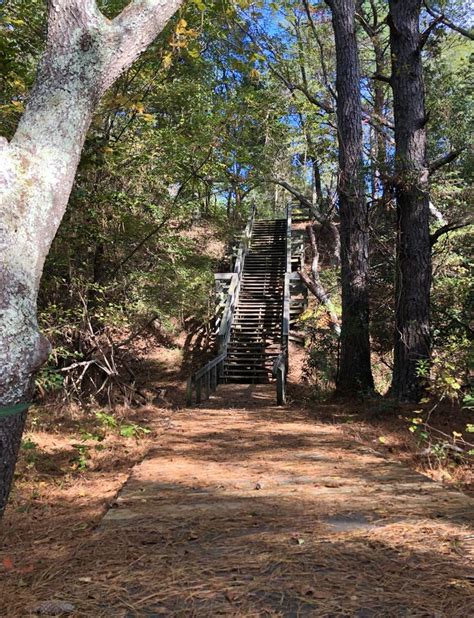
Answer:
(85, 53)
(413, 270)
(355, 371)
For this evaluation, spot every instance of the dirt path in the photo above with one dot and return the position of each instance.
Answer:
(246, 509)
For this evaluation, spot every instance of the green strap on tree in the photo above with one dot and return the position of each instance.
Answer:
(6, 411)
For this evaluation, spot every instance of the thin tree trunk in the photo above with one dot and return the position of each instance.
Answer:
(380, 147)
(413, 268)
(315, 286)
(355, 371)
(11, 430)
(318, 199)
(84, 55)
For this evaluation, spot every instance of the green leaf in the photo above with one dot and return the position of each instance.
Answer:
(128, 431)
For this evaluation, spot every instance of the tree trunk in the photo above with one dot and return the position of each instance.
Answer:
(85, 53)
(315, 286)
(355, 371)
(380, 146)
(318, 199)
(413, 269)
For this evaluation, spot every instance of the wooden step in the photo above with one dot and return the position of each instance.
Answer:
(255, 343)
(243, 371)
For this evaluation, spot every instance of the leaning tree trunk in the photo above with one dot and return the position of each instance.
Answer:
(413, 269)
(85, 53)
(315, 286)
(355, 371)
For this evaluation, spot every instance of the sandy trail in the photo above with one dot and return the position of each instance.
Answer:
(246, 509)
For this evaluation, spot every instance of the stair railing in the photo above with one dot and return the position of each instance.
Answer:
(280, 365)
(234, 288)
(210, 375)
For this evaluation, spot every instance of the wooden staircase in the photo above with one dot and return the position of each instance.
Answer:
(254, 327)
(256, 333)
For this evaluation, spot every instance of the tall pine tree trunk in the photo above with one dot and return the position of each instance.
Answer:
(413, 268)
(380, 146)
(85, 53)
(355, 371)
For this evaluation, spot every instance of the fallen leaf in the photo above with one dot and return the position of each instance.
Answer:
(8, 563)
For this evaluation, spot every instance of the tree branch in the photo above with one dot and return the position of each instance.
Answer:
(311, 98)
(426, 34)
(382, 78)
(131, 32)
(321, 49)
(286, 80)
(447, 22)
(302, 199)
(444, 160)
(450, 227)
(365, 25)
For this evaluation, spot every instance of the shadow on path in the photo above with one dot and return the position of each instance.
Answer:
(246, 509)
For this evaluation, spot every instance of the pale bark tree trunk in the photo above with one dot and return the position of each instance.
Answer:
(315, 286)
(355, 371)
(413, 269)
(85, 53)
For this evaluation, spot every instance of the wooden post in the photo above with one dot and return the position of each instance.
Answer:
(281, 387)
(198, 390)
(207, 378)
(286, 292)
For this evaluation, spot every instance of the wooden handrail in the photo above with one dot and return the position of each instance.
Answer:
(210, 374)
(207, 377)
(210, 365)
(288, 238)
(280, 366)
(234, 288)
(279, 372)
